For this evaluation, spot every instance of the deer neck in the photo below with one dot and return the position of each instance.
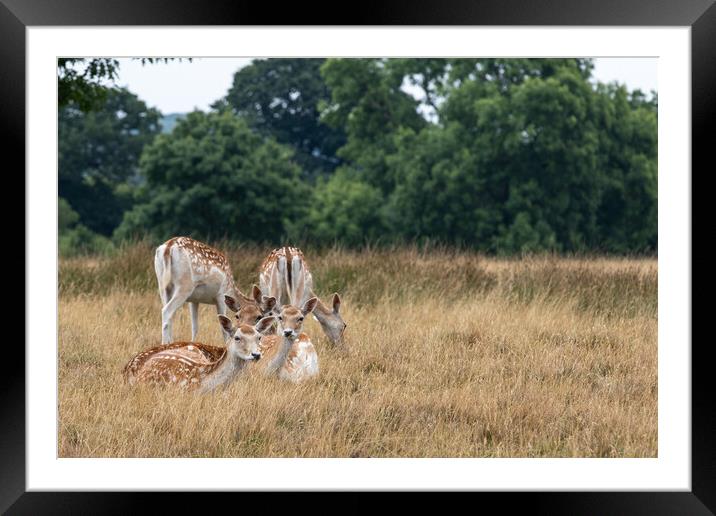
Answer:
(232, 290)
(321, 312)
(225, 370)
(280, 358)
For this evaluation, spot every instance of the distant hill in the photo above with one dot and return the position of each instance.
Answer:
(169, 121)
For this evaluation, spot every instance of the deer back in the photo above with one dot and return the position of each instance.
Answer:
(188, 260)
(173, 362)
(285, 275)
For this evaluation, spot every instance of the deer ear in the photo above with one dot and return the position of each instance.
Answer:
(225, 323)
(256, 294)
(268, 303)
(231, 303)
(336, 303)
(309, 305)
(264, 324)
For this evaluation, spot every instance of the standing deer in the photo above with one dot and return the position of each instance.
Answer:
(284, 275)
(191, 271)
(290, 354)
(196, 365)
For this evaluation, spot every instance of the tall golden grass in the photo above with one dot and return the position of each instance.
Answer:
(448, 354)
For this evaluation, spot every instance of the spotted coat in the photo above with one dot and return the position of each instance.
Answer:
(284, 274)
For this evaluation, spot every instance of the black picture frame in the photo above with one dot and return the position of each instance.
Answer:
(700, 15)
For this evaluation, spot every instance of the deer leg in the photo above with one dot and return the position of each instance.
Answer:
(194, 311)
(179, 296)
(163, 295)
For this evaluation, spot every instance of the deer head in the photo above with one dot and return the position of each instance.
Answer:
(331, 321)
(249, 310)
(290, 318)
(245, 338)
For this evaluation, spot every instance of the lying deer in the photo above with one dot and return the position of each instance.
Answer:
(284, 275)
(290, 354)
(196, 365)
(189, 271)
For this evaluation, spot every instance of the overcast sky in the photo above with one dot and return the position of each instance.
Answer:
(181, 86)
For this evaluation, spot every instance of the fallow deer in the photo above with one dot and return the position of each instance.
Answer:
(195, 365)
(290, 354)
(249, 312)
(284, 275)
(191, 271)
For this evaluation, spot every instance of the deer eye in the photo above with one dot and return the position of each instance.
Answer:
(280, 318)
(300, 319)
(237, 338)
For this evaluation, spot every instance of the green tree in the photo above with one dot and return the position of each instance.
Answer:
(440, 191)
(525, 156)
(213, 177)
(75, 238)
(508, 72)
(85, 83)
(536, 144)
(516, 155)
(430, 75)
(99, 153)
(628, 141)
(344, 209)
(368, 102)
(66, 216)
(279, 98)
(555, 151)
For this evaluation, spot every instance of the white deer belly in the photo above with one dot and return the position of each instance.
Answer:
(204, 293)
(209, 282)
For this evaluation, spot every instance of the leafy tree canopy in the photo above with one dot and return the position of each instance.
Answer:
(86, 82)
(279, 98)
(523, 160)
(213, 177)
(99, 156)
(345, 210)
(504, 155)
(368, 101)
(82, 82)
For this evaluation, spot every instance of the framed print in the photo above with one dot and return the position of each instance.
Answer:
(476, 210)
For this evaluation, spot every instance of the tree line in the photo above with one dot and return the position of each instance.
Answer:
(502, 155)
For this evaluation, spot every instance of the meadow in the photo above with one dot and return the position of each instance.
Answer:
(448, 354)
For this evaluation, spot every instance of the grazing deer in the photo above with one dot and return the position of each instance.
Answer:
(291, 354)
(196, 365)
(191, 271)
(284, 275)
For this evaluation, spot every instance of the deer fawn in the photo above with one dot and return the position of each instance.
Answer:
(290, 354)
(250, 311)
(284, 275)
(196, 365)
(191, 271)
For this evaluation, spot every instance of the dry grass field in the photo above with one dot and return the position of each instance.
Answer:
(448, 354)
